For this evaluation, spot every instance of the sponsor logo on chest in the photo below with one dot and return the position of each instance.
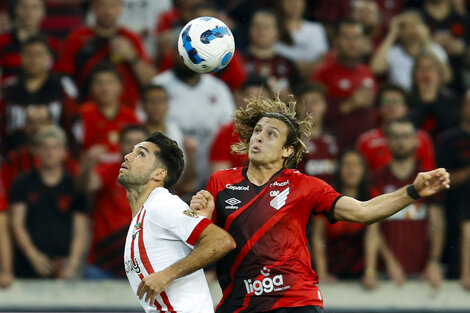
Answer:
(264, 283)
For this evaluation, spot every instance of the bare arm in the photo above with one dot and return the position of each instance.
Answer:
(381, 207)
(436, 233)
(213, 244)
(6, 258)
(318, 240)
(379, 64)
(87, 180)
(371, 251)
(78, 244)
(41, 263)
(465, 255)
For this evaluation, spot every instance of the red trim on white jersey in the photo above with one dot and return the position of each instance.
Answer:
(192, 239)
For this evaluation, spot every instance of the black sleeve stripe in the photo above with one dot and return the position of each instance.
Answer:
(330, 215)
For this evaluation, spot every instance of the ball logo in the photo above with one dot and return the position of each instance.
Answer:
(265, 284)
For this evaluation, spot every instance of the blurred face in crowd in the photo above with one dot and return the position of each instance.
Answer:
(313, 103)
(156, 105)
(263, 30)
(348, 41)
(366, 12)
(293, 8)
(351, 169)
(392, 106)
(250, 91)
(107, 12)
(29, 14)
(130, 139)
(411, 28)
(401, 140)
(37, 117)
(51, 152)
(426, 72)
(106, 88)
(36, 59)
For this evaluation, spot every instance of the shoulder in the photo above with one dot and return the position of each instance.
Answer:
(213, 81)
(161, 206)
(221, 178)
(81, 32)
(450, 135)
(369, 135)
(89, 108)
(126, 32)
(162, 78)
(303, 180)
(24, 180)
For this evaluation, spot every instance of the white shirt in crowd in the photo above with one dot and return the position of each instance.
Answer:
(199, 111)
(163, 232)
(400, 64)
(310, 42)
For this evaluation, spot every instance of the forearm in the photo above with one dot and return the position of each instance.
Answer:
(84, 176)
(6, 259)
(372, 240)
(379, 64)
(319, 257)
(25, 242)
(207, 251)
(79, 237)
(436, 233)
(465, 253)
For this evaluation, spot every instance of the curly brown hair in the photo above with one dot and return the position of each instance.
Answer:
(258, 107)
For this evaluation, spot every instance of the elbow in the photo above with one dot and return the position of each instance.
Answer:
(229, 243)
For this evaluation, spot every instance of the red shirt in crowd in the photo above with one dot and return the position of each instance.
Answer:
(99, 130)
(111, 218)
(405, 232)
(221, 147)
(321, 158)
(3, 198)
(374, 148)
(84, 50)
(341, 82)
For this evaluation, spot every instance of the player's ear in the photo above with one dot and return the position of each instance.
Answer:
(287, 151)
(160, 174)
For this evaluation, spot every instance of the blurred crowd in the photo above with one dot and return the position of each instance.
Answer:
(82, 82)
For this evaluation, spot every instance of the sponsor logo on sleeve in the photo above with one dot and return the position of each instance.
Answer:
(190, 213)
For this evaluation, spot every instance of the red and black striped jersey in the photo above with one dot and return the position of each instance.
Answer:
(270, 268)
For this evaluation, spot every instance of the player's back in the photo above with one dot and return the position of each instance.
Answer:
(163, 232)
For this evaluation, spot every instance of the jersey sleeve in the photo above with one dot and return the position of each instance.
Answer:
(324, 198)
(177, 218)
(3, 198)
(17, 191)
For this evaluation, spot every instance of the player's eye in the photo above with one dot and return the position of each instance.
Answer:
(141, 154)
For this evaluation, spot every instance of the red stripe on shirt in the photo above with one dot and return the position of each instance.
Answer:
(192, 239)
(148, 266)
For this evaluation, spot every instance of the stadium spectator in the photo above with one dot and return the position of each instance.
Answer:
(415, 235)
(301, 41)
(337, 250)
(111, 214)
(6, 258)
(156, 104)
(366, 12)
(142, 16)
(103, 117)
(199, 105)
(36, 85)
(63, 16)
(29, 15)
(452, 152)
(323, 148)
(87, 46)
(350, 86)
(262, 59)
(407, 37)
(220, 155)
(48, 215)
(433, 107)
(373, 144)
(464, 207)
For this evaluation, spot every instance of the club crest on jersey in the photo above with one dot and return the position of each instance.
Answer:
(232, 203)
(279, 199)
(190, 213)
(137, 229)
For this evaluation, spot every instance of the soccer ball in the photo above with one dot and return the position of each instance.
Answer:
(206, 45)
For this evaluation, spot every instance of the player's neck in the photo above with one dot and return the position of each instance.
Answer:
(51, 176)
(403, 169)
(23, 32)
(260, 174)
(137, 196)
(262, 53)
(106, 31)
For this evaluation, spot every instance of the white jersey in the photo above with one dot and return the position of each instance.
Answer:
(199, 111)
(163, 232)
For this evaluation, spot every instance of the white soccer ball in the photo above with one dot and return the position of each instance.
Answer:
(206, 45)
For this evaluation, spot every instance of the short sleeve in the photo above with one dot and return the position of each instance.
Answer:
(178, 218)
(324, 198)
(79, 203)
(17, 191)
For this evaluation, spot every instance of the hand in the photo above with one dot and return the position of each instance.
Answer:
(122, 49)
(327, 278)
(362, 97)
(424, 34)
(94, 154)
(203, 203)
(68, 271)
(395, 272)
(465, 280)
(42, 264)
(190, 146)
(430, 183)
(433, 274)
(6, 279)
(395, 26)
(369, 282)
(153, 284)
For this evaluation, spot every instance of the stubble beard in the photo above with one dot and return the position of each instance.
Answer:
(129, 181)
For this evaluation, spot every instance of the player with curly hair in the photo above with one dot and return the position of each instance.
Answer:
(266, 206)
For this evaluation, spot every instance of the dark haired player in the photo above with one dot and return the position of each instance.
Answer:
(266, 206)
(166, 239)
